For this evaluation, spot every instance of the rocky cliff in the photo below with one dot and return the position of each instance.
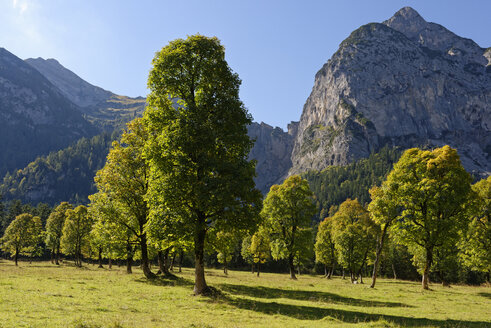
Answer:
(403, 82)
(35, 117)
(272, 151)
(101, 107)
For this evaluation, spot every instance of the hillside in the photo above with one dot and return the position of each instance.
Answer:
(65, 175)
(404, 82)
(35, 118)
(103, 108)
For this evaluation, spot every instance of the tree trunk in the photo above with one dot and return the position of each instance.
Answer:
(344, 274)
(380, 247)
(225, 267)
(325, 271)
(100, 258)
(171, 268)
(144, 262)
(16, 256)
(361, 278)
(394, 273)
(57, 256)
(426, 272)
(110, 264)
(181, 254)
(129, 258)
(331, 272)
(166, 262)
(52, 256)
(252, 267)
(200, 286)
(292, 267)
(258, 269)
(160, 261)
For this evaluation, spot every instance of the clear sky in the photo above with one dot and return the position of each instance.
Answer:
(276, 47)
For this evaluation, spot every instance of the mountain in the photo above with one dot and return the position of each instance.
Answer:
(65, 175)
(103, 108)
(404, 82)
(272, 151)
(35, 117)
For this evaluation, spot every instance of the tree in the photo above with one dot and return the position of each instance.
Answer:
(124, 180)
(76, 233)
(260, 247)
(475, 244)
(245, 251)
(288, 208)
(432, 188)
(54, 230)
(325, 251)
(116, 238)
(384, 211)
(224, 243)
(354, 235)
(198, 147)
(22, 236)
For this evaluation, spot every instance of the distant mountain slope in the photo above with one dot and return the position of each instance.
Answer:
(101, 107)
(35, 117)
(404, 82)
(65, 175)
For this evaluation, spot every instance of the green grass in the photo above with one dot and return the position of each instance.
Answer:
(43, 295)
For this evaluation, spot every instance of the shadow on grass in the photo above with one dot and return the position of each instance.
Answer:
(303, 295)
(169, 280)
(317, 313)
(487, 295)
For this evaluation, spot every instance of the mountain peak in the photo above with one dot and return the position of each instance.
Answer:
(408, 14)
(407, 20)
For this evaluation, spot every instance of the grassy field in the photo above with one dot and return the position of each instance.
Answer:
(43, 295)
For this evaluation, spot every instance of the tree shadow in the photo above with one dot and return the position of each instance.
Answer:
(303, 295)
(168, 280)
(483, 294)
(317, 313)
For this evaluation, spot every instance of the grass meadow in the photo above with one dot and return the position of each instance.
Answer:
(44, 295)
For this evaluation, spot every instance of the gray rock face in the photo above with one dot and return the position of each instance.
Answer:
(405, 82)
(71, 85)
(101, 107)
(272, 151)
(35, 117)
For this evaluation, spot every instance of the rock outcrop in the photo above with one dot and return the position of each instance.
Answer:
(35, 117)
(272, 151)
(404, 82)
(103, 108)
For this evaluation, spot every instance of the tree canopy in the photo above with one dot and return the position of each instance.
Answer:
(22, 236)
(198, 148)
(287, 209)
(432, 187)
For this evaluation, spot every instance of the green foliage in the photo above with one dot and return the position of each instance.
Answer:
(64, 175)
(354, 235)
(198, 150)
(432, 187)
(122, 185)
(324, 243)
(287, 209)
(76, 233)
(22, 236)
(335, 184)
(260, 246)
(245, 250)
(475, 244)
(224, 243)
(54, 227)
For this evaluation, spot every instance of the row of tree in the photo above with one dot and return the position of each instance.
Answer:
(180, 178)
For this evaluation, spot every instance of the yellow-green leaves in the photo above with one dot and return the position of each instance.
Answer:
(22, 235)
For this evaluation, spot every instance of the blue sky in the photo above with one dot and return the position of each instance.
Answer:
(276, 47)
